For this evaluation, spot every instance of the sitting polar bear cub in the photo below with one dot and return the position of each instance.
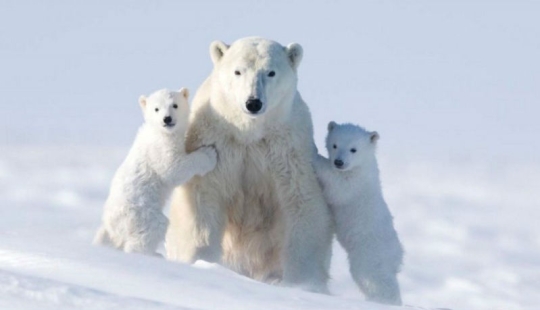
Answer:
(350, 181)
(133, 220)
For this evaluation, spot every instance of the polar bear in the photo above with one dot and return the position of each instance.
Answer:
(364, 225)
(261, 211)
(157, 162)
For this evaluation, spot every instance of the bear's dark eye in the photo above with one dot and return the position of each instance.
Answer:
(271, 73)
(237, 72)
(335, 146)
(175, 106)
(157, 109)
(353, 150)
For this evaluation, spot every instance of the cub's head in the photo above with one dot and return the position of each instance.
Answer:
(166, 110)
(254, 75)
(350, 146)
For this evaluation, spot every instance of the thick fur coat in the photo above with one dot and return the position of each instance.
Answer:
(364, 225)
(133, 218)
(261, 212)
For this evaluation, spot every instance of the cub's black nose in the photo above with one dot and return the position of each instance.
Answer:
(338, 163)
(254, 105)
(167, 120)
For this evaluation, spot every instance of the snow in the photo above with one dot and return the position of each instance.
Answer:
(468, 228)
(452, 88)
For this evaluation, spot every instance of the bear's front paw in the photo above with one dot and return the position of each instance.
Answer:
(210, 159)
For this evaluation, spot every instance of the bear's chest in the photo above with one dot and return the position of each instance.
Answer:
(245, 155)
(249, 193)
(341, 191)
(248, 167)
(253, 163)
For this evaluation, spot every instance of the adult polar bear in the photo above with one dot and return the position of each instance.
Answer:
(261, 211)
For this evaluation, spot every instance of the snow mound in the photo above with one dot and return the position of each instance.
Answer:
(468, 227)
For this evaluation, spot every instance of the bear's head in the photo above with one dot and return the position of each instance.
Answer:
(350, 146)
(254, 76)
(167, 111)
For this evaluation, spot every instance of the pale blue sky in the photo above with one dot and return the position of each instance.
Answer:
(457, 78)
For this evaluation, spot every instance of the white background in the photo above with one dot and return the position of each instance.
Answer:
(452, 87)
(455, 78)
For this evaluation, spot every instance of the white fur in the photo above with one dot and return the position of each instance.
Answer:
(364, 225)
(261, 212)
(133, 220)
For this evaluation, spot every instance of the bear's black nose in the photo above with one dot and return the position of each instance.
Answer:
(254, 105)
(167, 120)
(338, 163)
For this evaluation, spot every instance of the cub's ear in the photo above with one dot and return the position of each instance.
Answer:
(217, 50)
(184, 92)
(331, 125)
(295, 52)
(374, 137)
(142, 102)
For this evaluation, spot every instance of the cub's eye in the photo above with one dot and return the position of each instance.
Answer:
(175, 106)
(236, 72)
(335, 146)
(156, 109)
(271, 73)
(353, 150)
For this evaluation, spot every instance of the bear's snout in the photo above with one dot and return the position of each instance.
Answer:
(254, 105)
(338, 163)
(167, 120)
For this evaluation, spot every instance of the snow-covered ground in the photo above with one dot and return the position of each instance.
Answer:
(470, 229)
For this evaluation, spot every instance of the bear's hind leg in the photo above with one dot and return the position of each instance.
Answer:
(375, 277)
(146, 235)
(381, 288)
(102, 238)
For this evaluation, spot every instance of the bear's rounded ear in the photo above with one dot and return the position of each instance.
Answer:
(331, 125)
(374, 137)
(295, 52)
(217, 50)
(184, 92)
(142, 102)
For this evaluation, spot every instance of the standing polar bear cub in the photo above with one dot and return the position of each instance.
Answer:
(133, 220)
(350, 180)
(261, 211)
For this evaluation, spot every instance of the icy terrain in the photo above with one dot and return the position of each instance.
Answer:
(469, 228)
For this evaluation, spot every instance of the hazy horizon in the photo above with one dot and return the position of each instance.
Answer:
(434, 79)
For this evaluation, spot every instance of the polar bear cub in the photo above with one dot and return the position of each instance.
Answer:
(133, 218)
(364, 225)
